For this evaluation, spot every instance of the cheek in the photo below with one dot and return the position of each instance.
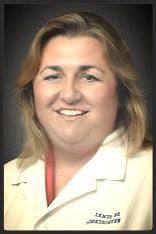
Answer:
(38, 94)
(105, 96)
(41, 94)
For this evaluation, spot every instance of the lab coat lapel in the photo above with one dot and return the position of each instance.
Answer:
(80, 184)
(109, 163)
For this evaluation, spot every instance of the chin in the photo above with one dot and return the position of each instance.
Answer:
(70, 140)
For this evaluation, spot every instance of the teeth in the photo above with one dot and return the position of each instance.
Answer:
(71, 112)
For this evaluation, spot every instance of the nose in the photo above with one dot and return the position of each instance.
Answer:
(70, 92)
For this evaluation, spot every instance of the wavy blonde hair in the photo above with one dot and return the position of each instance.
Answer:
(132, 111)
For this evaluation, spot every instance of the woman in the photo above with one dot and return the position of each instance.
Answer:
(87, 159)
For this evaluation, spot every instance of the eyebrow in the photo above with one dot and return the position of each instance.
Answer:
(55, 68)
(81, 68)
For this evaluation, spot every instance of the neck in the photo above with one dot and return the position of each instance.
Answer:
(73, 155)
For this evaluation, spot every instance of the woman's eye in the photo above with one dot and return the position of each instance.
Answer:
(90, 78)
(52, 77)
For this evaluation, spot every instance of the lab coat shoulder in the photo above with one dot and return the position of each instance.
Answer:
(139, 179)
(141, 165)
(19, 197)
(140, 170)
(11, 171)
(11, 165)
(11, 174)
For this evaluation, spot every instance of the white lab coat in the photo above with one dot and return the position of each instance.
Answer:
(110, 192)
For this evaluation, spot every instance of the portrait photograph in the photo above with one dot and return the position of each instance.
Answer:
(78, 116)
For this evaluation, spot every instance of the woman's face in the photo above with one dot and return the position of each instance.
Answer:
(75, 92)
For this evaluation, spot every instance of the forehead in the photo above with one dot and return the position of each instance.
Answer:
(86, 48)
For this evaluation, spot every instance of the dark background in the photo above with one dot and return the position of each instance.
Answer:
(22, 21)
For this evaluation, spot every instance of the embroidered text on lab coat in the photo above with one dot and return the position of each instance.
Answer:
(105, 218)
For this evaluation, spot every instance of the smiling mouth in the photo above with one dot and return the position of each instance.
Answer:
(71, 112)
